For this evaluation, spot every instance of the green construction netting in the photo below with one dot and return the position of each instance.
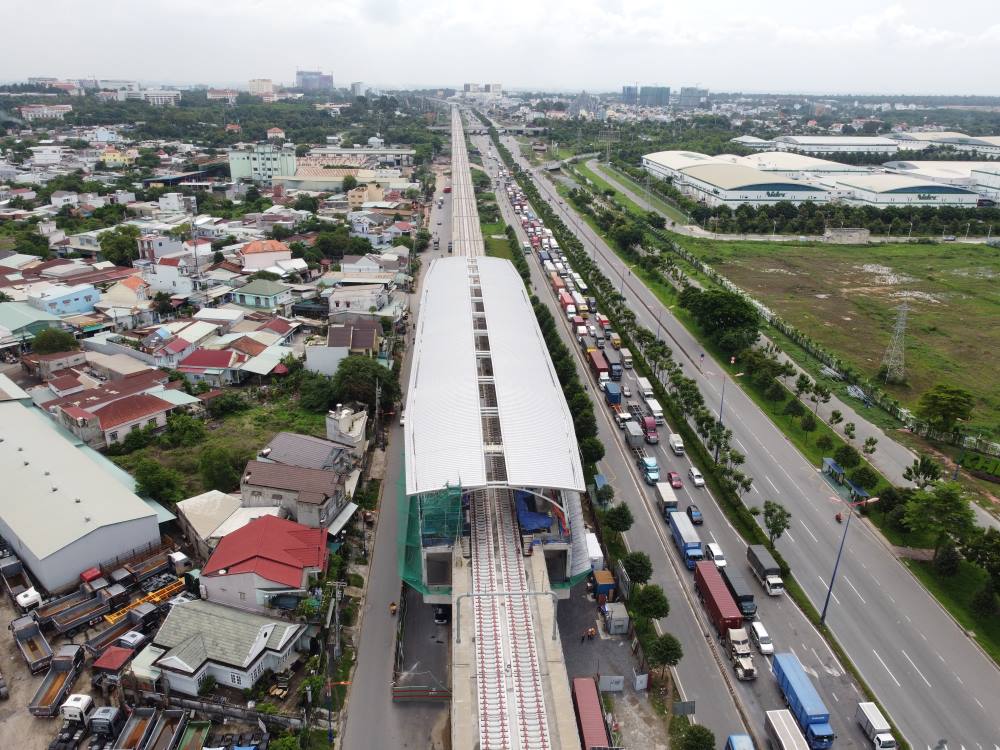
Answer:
(433, 519)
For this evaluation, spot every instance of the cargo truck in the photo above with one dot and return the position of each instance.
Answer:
(616, 369)
(598, 365)
(666, 499)
(167, 730)
(75, 713)
(621, 416)
(139, 619)
(803, 701)
(90, 612)
(740, 654)
(676, 444)
(782, 731)
(47, 610)
(18, 585)
(34, 648)
(739, 742)
(137, 729)
(645, 387)
(105, 725)
(613, 394)
(740, 590)
(686, 539)
(715, 598)
(875, 727)
(646, 422)
(633, 434)
(655, 410)
(626, 356)
(647, 466)
(65, 666)
(765, 569)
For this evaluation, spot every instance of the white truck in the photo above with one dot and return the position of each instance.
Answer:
(676, 444)
(655, 410)
(645, 387)
(765, 569)
(626, 356)
(741, 654)
(875, 727)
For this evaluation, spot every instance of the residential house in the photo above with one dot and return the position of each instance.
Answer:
(369, 225)
(262, 294)
(217, 367)
(306, 451)
(268, 563)
(369, 263)
(313, 497)
(178, 202)
(62, 299)
(372, 192)
(44, 366)
(153, 246)
(112, 423)
(177, 275)
(277, 133)
(346, 425)
(361, 297)
(400, 229)
(207, 518)
(203, 639)
(62, 198)
(20, 322)
(261, 254)
(359, 338)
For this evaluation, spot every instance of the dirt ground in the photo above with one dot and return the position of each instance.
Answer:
(18, 728)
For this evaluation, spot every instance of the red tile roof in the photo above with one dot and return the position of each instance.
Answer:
(265, 246)
(274, 548)
(248, 345)
(130, 409)
(113, 659)
(169, 262)
(64, 383)
(216, 358)
(277, 325)
(134, 282)
(94, 398)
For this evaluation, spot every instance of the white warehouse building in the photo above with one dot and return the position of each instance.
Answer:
(881, 190)
(667, 165)
(60, 511)
(836, 144)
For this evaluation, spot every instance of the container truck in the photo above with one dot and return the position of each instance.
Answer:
(740, 654)
(589, 714)
(803, 701)
(34, 648)
(782, 731)
(875, 727)
(647, 465)
(676, 444)
(765, 569)
(739, 742)
(715, 598)
(645, 387)
(741, 592)
(666, 499)
(646, 422)
(633, 434)
(598, 366)
(613, 394)
(686, 539)
(105, 725)
(63, 670)
(626, 356)
(616, 369)
(655, 410)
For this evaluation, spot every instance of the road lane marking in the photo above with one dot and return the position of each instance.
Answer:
(941, 658)
(926, 681)
(835, 696)
(886, 668)
(742, 447)
(826, 584)
(980, 704)
(713, 537)
(754, 486)
(808, 531)
(790, 537)
(772, 483)
(855, 590)
(958, 678)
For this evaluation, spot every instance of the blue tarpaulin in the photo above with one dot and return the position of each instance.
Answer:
(529, 520)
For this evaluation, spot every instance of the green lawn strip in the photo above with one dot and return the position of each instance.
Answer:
(658, 204)
(955, 594)
(496, 247)
(627, 203)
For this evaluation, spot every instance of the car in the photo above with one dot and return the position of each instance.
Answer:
(442, 614)
(675, 480)
(696, 478)
(760, 637)
(439, 222)
(695, 515)
(592, 330)
(626, 391)
(402, 418)
(714, 553)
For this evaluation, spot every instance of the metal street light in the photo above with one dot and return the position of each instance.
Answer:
(722, 402)
(836, 563)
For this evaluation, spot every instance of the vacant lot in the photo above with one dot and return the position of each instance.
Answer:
(846, 297)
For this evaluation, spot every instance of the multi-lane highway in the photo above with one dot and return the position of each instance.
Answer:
(934, 681)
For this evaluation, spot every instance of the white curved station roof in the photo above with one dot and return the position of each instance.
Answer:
(444, 428)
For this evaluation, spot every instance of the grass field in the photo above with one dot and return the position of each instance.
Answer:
(496, 246)
(671, 212)
(845, 298)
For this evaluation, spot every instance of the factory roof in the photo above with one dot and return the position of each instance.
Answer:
(836, 140)
(897, 183)
(928, 135)
(738, 177)
(956, 172)
(57, 493)
(789, 161)
(678, 159)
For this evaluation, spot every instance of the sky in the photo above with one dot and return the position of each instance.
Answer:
(846, 46)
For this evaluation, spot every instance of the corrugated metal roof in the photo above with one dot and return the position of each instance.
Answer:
(736, 176)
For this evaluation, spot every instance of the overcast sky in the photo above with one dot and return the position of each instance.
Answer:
(846, 46)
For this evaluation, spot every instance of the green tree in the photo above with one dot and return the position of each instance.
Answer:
(158, 482)
(120, 245)
(794, 408)
(161, 300)
(697, 737)
(619, 518)
(869, 447)
(350, 182)
(286, 742)
(226, 403)
(218, 469)
(306, 203)
(948, 560)
(824, 442)
(316, 392)
(776, 520)
(942, 512)
(52, 340)
(944, 405)
(982, 547)
(821, 394)
(864, 476)
(665, 651)
(606, 494)
(849, 430)
(638, 566)
(803, 384)
(836, 417)
(591, 450)
(183, 430)
(356, 377)
(649, 601)
(847, 457)
(984, 603)
(728, 319)
(923, 471)
(808, 422)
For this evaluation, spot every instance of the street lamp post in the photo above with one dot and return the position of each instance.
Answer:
(722, 402)
(836, 564)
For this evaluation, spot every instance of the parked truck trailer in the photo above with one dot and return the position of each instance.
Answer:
(783, 731)
(686, 539)
(65, 666)
(803, 701)
(34, 648)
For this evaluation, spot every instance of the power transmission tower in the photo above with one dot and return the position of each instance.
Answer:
(608, 136)
(893, 361)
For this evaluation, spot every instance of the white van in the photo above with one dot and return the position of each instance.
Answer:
(714, 553)
(758, 634)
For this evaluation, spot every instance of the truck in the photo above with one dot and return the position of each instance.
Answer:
(626, 357)
(676, 443)
(803, 701)
(666, 499)
(138, 619)
(63, 670)
(75, 713)
(782, 731)
(616, 340)
(645, 387)
(613, 394)
(90, 612)
(137, 729)
(167, 730)
(741, 592)
(874, 726)
(566, 302)
(87, 590)
(34, 648)
(646, 422)
(715, 598)
(598, 366)
(18, 585)
(621, 415)
(105, 725)
(740, 654)
(765, 569)
(686, 539)
(616, 369)
(633, 434)
(647, 466)
(655, 410)
(739, 742)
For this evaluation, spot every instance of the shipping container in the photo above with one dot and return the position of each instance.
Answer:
(589, 714)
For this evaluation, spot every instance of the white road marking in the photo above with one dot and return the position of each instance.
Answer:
(771, 483)
(941, 658)
(790, 537)
(835, 696)
(923, 636)
(855, 590)
(742, 447)
(980, 704)
(825, 583)
(958, 678)
(754, 487)
(926, 681)
(808, 531)
(886, 668)
(891, 599)
(713, 537)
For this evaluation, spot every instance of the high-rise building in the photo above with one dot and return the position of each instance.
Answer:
(630, 94)
(261, 86)
(692, 98)
(471, 88)
(494, 88)
(313, 80)
(357, 88)
(654, 96)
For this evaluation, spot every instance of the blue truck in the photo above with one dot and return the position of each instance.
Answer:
(616, 369)
(803, 701)
(739, 742)
(686, 539)
(613, 393)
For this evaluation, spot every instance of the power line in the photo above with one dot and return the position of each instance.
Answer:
(894, 360)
